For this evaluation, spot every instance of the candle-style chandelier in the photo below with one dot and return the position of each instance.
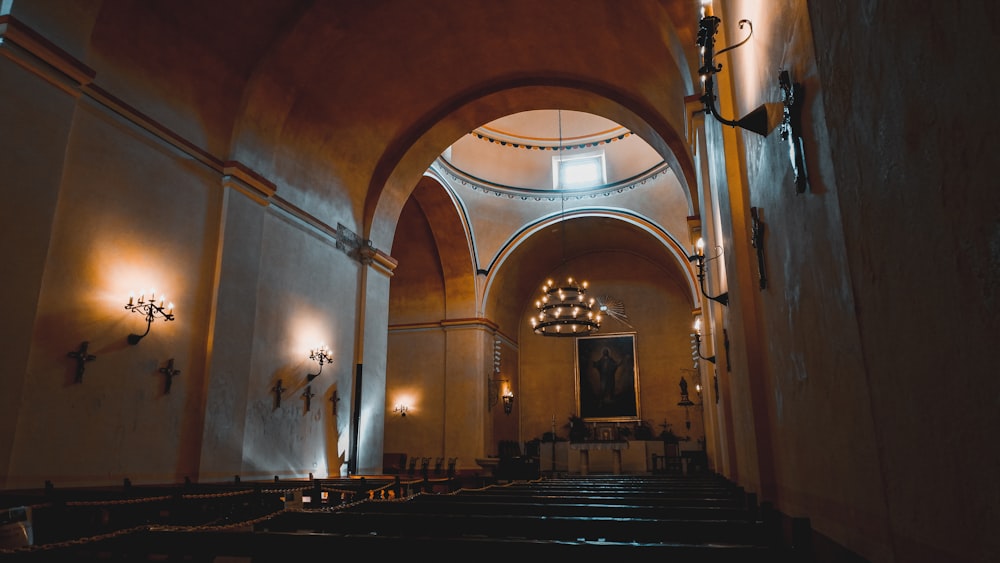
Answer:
(564, 308)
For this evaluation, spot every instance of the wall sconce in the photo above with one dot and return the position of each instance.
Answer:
(696, 348)
(151, 309)
(494, 385)
(401, 409)
(758, 120)
(508, 401)
(699, 257)
(323, 356)
(767, 116)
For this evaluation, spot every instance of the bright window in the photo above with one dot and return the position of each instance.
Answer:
(582, 171)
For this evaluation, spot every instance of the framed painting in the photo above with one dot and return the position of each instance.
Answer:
(607, 378)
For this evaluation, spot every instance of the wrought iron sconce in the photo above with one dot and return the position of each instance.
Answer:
(82, 357)
(758, 120)
(151, 309)
(496, 384)
(323, 356)
(401, 409)
(699, 258)
(696, 346)
(508, 401)
(767, 116)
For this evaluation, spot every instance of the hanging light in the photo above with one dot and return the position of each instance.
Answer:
(564, 308)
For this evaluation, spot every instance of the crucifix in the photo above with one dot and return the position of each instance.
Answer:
(757, 240)
(308, 395)
(82, 357)
(277, 389)
(170, 372)
(334, 399)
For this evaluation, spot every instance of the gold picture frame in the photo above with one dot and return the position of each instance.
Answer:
(607, 378)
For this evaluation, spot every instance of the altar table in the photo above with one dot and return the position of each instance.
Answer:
(585, 448)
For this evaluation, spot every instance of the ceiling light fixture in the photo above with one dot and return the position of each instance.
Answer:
(564, 308)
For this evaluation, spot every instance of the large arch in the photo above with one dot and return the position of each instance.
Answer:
(389, 190)
(529, 256)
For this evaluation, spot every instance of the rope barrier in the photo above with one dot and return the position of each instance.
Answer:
(384, 493)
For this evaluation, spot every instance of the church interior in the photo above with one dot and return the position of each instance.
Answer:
(288, 241)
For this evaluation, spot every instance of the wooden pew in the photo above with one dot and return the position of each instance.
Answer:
(547, 527)
(639, 519)
(264, 547)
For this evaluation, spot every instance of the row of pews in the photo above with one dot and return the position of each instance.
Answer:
(702, 518)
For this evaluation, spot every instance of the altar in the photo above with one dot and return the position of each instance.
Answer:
(633, 456)
(613, 446)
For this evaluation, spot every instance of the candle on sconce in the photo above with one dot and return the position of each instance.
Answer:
(151, 309)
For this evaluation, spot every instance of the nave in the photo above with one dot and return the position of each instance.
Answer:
(699, 517)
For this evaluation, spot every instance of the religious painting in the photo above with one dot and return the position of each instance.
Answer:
(607, 378)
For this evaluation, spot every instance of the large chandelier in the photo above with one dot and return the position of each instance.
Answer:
(564, 308)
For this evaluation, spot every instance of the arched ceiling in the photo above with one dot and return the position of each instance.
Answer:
(515, 284)
(518, 150)
(296, 90)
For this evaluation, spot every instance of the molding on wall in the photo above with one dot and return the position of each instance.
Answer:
(447, 324)
(248, 182)
(37, 54)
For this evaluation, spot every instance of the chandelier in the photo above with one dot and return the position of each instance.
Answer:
(564, 308)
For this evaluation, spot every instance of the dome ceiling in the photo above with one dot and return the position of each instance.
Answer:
(517, 150)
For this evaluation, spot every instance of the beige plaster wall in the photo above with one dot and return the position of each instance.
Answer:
(659, 310)
(40, 116)
(110, 208)
(798, 361)
(128, 220)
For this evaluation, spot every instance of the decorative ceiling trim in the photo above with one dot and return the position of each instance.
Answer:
(549, 147)
(457, 177)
